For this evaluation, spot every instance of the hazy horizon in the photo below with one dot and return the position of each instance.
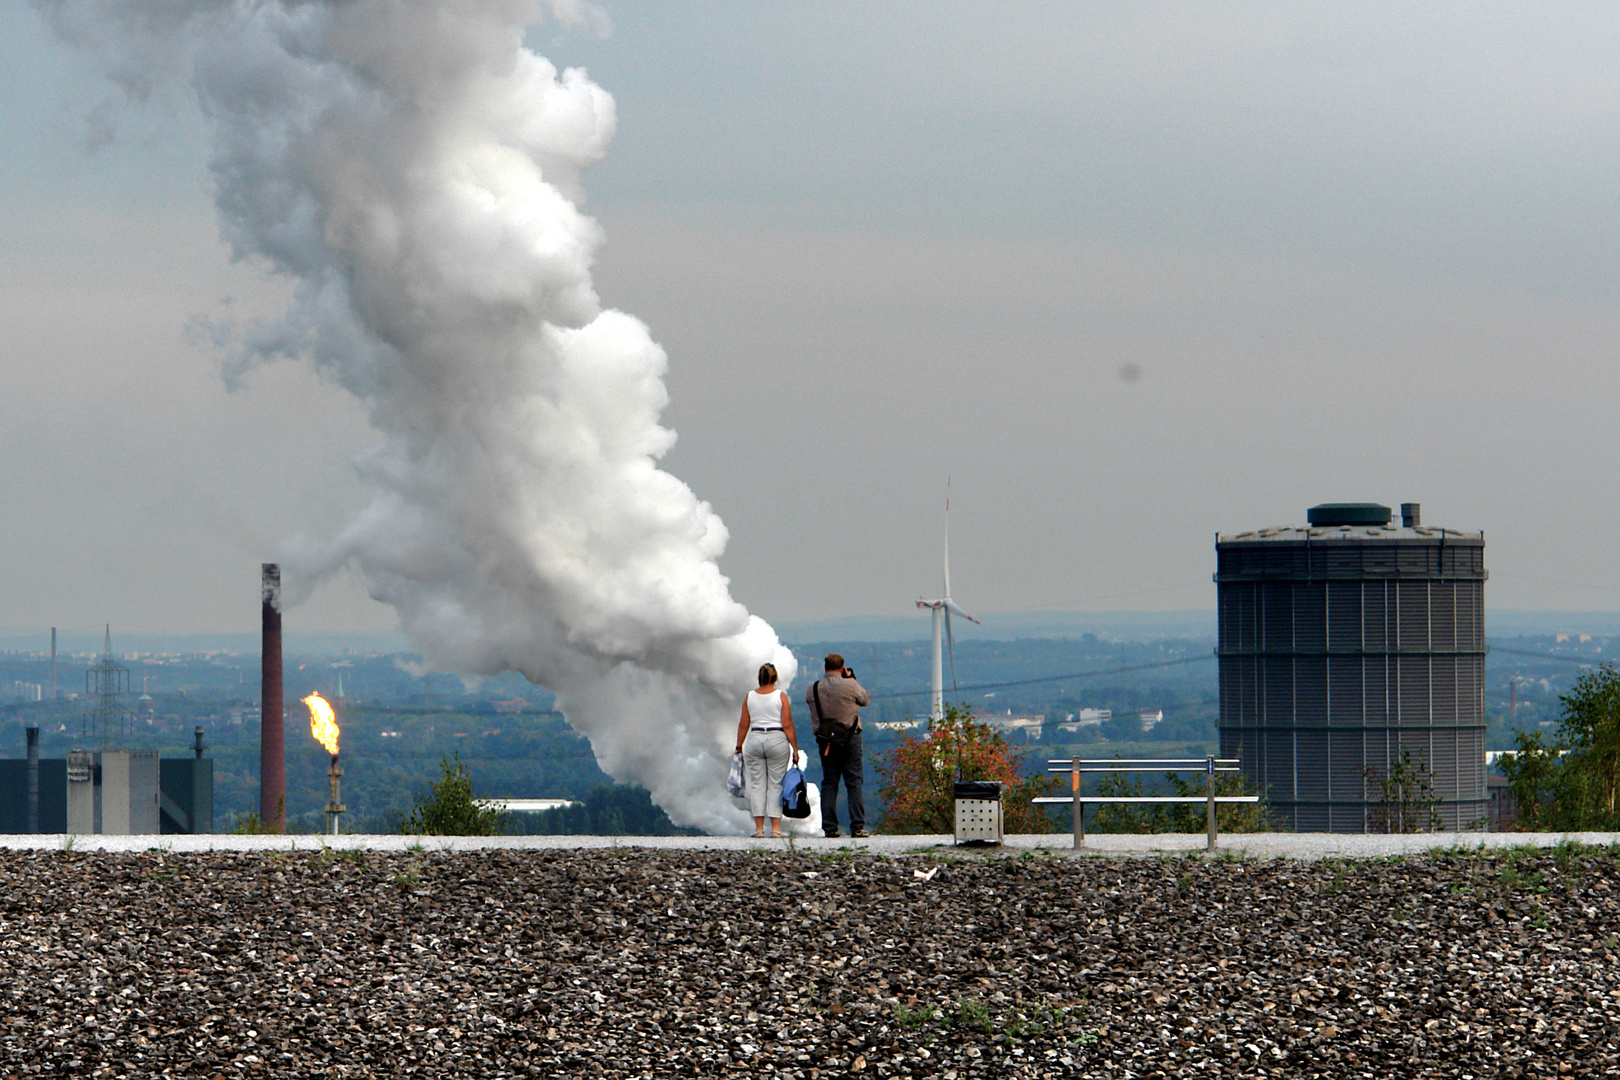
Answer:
(1129, 626)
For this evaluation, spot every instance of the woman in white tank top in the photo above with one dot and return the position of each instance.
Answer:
(766, 740)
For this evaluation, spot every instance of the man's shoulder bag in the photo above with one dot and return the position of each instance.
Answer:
(830, 730)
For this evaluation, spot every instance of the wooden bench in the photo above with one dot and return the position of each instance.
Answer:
(1076, 767)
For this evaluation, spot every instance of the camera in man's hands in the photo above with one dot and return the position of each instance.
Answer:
(849, 673)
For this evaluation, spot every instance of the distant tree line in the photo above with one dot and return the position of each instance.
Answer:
(609, 810)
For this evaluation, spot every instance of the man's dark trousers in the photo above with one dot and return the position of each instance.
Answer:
(841, 762)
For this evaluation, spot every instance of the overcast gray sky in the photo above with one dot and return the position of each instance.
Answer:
(1128, 274)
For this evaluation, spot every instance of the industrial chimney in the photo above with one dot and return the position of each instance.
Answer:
(272, 744)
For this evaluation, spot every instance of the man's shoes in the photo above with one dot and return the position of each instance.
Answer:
(832, 834)
(859, 834)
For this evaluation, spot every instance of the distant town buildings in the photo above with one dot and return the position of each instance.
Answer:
(1029, 727)
(247, 714)
(1146, 719)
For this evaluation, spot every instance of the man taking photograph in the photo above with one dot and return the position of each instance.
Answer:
(835, 701)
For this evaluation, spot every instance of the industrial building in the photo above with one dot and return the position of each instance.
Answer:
(1342, 643)
(112, 789)
(113, 792)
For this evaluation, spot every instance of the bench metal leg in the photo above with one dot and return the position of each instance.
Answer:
(1209, 773)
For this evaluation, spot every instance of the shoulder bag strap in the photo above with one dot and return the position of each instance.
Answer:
(821, 716)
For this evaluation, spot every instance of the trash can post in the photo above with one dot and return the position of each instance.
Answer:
(1209, 776)
(978, 812)
(1079, 807)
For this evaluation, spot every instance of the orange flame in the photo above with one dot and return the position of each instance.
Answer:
(322, 724)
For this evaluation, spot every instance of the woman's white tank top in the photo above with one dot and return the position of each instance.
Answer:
(765, 710)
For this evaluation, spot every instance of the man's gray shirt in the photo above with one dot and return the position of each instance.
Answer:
(842, 698)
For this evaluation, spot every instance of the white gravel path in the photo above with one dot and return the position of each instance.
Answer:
(1304, 846)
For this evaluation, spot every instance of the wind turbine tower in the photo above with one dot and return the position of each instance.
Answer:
(942, 609)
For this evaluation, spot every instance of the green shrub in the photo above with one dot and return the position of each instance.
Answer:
(449, 809)
(920, 775)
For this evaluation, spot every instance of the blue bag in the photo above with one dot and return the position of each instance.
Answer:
(795, 799)
(734, 778)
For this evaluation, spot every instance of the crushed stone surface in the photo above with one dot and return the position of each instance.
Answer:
(782, 963)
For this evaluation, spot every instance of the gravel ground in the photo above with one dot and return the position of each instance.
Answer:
(636, 962)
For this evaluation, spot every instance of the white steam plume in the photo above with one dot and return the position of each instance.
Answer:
(417, 171)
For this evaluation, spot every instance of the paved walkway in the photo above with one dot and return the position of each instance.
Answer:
(1250, 845)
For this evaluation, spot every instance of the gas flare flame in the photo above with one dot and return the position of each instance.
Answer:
(322, 723)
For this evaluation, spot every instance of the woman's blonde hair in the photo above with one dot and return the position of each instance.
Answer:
(767, 674)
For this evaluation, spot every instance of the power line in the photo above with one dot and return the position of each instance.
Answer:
(1055, 678)
(1102, 672)
(1575, 660)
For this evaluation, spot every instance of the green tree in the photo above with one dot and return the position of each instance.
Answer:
(1572, 780)
(920, 775)
(1406, 797)
(449, 809)
(1538, 781)
(1590, 727)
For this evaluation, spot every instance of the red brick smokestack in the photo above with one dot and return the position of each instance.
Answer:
(272, 739)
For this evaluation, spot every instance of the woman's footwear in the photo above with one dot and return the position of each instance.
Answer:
(778, 836)
(758, 836)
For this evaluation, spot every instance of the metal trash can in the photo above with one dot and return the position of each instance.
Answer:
(978, 811)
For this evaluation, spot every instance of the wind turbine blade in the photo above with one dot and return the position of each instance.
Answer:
(950, 605)
(952, 639)
(947, 546)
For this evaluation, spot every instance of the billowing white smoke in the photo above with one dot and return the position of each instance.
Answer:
(417, 170)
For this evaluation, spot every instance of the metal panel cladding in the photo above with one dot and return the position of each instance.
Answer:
(1343, 642)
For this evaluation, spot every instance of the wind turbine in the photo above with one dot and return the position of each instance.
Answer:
(942, 609)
